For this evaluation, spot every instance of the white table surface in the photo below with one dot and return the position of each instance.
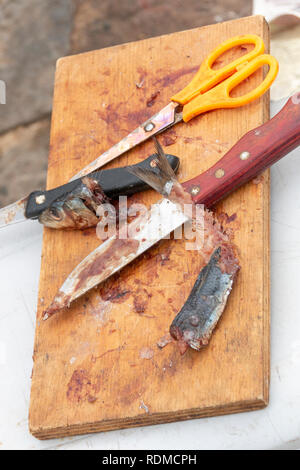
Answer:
(275, 427)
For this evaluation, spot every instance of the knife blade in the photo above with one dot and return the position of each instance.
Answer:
(253, 153)
(113, 183)
(14, 213)
(152, 227)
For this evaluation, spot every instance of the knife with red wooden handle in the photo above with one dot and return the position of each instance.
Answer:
(254, 152)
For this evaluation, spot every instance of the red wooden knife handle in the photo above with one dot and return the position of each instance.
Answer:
(253, 153)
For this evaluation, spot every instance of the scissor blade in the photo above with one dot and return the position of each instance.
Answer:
(114, 254)
(166, 117)
(14, 213)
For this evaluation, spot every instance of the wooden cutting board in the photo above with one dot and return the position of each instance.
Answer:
(97, 365)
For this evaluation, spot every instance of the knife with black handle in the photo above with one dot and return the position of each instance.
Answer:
(113, 183)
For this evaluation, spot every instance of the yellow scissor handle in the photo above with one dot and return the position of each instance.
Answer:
(206, 77)
(219, 96)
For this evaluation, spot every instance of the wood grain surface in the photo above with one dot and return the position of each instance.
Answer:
(97, 365)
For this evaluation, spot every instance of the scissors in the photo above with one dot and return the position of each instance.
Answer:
(209, 89)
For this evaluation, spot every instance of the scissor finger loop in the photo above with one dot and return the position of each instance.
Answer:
(210, 88)
(246, 72)
(219, 96)
(207, 77)
(259, 49)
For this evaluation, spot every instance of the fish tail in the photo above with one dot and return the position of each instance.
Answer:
(161, 177)
(162, 162)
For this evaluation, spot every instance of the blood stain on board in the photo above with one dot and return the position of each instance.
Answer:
(230, 223)
(169, 137)
(141, 300)
(153, 98)
(172, 77)
(188, 140)
(136, 118)
(81, 386)
(132, 391)
(115, 294)
(223, 217)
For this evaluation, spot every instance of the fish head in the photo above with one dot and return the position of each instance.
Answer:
(72, 213)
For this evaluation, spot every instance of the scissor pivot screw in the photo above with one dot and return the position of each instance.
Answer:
(149, 127)
(40, 199)
(153, 163)
(244, 155)
(195, 190)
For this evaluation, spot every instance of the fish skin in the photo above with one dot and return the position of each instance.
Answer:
(78, 209)
(194, 324)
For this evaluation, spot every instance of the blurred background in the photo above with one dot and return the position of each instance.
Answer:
(35, 33)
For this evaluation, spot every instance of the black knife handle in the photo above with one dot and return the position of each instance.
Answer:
(115, 182)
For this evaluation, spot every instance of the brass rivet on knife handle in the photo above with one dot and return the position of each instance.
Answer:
(195, 190)
(219, 173)
(40, 199)
(244, 155)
